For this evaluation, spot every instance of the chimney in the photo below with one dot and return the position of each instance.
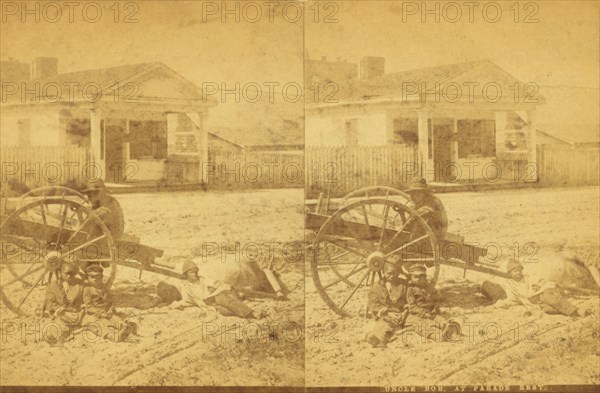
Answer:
(44, 67)
(371, 67)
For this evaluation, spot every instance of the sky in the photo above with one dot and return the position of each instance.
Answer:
(560, 48)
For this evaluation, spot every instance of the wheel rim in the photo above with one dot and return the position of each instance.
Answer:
(38, 238)
(376, 192)
(358, 240)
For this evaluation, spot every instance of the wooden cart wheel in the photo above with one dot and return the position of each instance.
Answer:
(371, 192)
(52, 191)
(375, 192)
(38, 238)
(358, 240)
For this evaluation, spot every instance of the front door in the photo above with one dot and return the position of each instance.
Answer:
(115, 162)
(442, 152)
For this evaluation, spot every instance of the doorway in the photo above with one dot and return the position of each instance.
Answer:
(114, 135)
(443, 139)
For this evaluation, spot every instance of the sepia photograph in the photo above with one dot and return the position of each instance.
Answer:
(454, 228)
(152, 199)
(299, 196)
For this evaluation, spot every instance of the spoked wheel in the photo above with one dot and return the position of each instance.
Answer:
(38, 238)
(371, 192)
(376, 192)
(358, 240)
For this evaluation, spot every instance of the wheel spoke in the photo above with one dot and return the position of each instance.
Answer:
(386, 211)
(31, 289)
(42, 208)
(353, 272)
(345, 247)
(406, 245)
(364, 210)
(79, 229)
(399, 232)
(29, 273)
(419, 260)
(354, 290)
(63, 208)
(83, 245)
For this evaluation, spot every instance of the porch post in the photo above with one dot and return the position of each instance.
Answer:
(532, 144)
(423, 141)
(201, 142)
(96, 143)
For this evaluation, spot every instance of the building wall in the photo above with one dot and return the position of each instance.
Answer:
(329, 129)
(44, 128)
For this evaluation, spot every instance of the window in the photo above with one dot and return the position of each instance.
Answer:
(351, 133)
(476, 138)
(185, 135)
(405, 131)
(148, 139)
(78, 132)
(24, 132)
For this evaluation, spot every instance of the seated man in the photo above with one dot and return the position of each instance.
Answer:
(64, 297)
(197, 291)
(422, 301)
(429, 207)
(100, 312)
(387, 302)
(107, 208)
(63, 301)
(544, 295)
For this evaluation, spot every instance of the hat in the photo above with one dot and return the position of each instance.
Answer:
(512, 265)
(94, 269)
(417, 269)
(187, 266)
(391, 268)
(67, 267)
(418, 185)
(96, 186)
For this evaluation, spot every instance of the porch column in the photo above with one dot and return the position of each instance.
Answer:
(424, 165)
(172, 123)
(201, 142)
(500, 120)
(532, 144)
(97, 144)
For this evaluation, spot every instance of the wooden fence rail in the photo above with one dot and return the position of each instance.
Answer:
(38, 166)
(254, 169)
(568, 166)
(339, 170)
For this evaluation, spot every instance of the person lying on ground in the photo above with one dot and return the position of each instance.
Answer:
(387, 303)
(101, 315)
(197, 291)
(542, 296)
(423, 306)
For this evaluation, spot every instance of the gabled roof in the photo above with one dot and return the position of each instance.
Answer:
(394, 84)
(106, 80)
(572, 133)
(217, 136)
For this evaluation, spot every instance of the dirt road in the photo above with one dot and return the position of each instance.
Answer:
(499, 347)
(181, 347)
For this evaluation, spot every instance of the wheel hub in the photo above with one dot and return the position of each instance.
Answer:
(53, 260)
(376, 261)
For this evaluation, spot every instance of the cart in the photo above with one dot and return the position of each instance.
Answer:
(49, 226)
(357, 235)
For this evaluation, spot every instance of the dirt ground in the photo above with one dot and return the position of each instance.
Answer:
(183, 348)
(498, 347)
(175, 347)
